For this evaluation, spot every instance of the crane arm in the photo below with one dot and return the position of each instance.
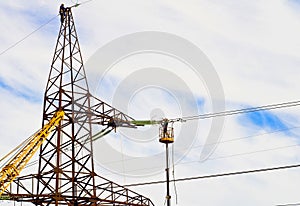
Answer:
(17, 163)
(154, 122)
(144, 122)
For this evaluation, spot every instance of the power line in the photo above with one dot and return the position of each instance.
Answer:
(216, 158)
(246, 137)
(222, 142)
(246, 153)
(239, 111)
(290, 204)
(84, 2)
(209, 159)
(37, 29)
(28, 35)
(216, 175)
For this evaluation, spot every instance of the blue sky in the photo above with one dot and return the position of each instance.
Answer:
(26, 94)
(254, 47)
(264, 120)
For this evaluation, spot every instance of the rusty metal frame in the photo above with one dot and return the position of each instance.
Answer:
(108, 193)
(66, 176)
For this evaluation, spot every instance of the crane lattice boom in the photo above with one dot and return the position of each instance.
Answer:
(17, 163)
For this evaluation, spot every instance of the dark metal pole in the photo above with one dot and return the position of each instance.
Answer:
(168, 197)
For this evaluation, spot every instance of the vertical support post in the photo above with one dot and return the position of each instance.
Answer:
(167, 136)
(168, 197)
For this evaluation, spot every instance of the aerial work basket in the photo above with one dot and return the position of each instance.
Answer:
(166, 133)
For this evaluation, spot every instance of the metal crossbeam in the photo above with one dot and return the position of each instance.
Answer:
(66, 173)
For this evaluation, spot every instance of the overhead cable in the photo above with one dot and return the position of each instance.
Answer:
(290, 204)
(40, 27)
(216, 175)
(28, 35)
(239, 111)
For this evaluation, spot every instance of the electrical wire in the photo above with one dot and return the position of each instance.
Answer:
(84, 2)
(209, 159)
(216, 158)
(241, 154)
(199, 146)
(122, 157)
(39, 28)
(97, 136)
(217, 175)
(16, 150)
(221, 142)
(242, 138)
(266, 107)
(173, 174)
(238, 111)
(290, 204)
(28, 35)
(254, 152)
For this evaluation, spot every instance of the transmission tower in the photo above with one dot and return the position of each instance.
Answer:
(66, 174)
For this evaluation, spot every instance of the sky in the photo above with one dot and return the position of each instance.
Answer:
(249, 51)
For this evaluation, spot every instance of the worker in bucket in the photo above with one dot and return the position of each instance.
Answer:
(165, 127)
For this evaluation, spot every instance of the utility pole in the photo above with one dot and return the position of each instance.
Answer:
(168, 197)
(166, 135)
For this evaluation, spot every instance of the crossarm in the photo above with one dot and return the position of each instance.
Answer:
(104, 114)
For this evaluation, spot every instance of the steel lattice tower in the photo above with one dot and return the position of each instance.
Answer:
(66, 173)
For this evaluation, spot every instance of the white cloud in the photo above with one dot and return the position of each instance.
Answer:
(254, 46)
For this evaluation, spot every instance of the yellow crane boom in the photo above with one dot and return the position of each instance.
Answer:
(17, 163)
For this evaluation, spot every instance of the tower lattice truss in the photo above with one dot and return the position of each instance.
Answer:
(66, 174)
